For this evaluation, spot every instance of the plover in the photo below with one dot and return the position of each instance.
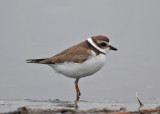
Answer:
(81, 60)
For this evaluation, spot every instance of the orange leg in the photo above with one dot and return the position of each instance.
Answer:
(77, 89)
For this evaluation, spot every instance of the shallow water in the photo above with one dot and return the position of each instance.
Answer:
(8, 105)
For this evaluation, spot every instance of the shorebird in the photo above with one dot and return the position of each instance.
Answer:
(81, 60)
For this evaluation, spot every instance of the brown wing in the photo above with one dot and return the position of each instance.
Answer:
(78, 54)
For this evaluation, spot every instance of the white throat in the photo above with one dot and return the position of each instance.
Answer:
(94, 45)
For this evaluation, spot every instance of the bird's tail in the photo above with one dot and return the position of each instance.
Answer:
(35, 60)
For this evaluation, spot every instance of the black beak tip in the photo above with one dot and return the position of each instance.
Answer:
(113, 48)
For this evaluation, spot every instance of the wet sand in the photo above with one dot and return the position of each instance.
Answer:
(15, 106)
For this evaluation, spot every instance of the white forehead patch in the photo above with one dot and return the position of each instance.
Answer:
(94, 45)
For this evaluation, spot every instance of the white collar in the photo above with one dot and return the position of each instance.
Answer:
(95, 46)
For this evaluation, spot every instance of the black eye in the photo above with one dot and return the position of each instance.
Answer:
(103, 44)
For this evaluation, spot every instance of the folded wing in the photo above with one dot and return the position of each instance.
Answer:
(77, 54)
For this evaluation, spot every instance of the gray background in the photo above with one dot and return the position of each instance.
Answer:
(42, 28)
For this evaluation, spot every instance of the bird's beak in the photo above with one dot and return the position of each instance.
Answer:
(112, 48)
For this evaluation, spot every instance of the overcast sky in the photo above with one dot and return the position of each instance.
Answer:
(42, 28)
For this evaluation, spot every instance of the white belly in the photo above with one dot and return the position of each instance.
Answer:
(78, 70)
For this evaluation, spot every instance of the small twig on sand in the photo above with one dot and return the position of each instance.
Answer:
(140, 103)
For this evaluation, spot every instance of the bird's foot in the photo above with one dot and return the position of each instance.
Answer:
(77, 99)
